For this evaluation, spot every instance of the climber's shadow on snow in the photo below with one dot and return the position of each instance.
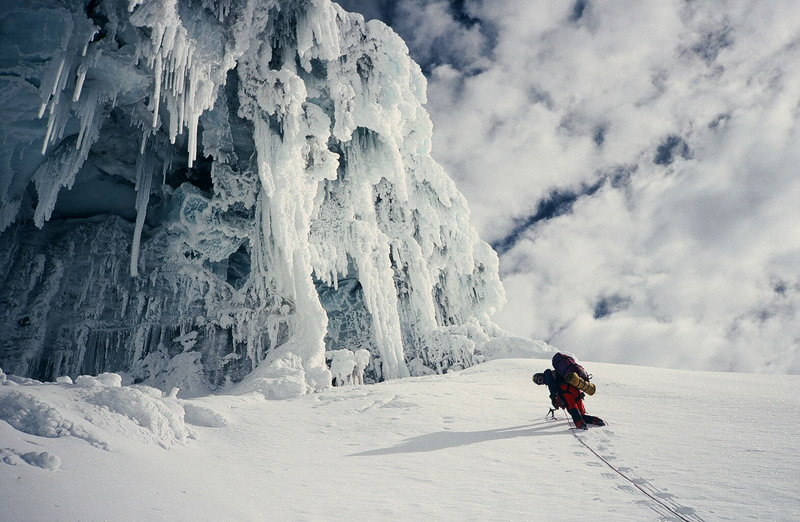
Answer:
(451, 439)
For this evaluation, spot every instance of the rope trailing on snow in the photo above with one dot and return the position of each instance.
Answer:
(623, 475)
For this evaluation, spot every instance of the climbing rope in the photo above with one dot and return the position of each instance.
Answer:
(623, 475)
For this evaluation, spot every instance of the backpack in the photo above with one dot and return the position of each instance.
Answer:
(573, 373)
(565, 364)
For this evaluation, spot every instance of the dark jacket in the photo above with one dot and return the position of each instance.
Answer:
(564, 395)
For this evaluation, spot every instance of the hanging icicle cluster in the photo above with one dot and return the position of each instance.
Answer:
(276, 160)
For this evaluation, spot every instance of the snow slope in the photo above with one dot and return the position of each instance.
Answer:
(468, 445)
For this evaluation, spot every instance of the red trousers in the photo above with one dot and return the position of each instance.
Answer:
(574, 406)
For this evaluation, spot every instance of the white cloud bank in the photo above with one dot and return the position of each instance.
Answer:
(636, 165)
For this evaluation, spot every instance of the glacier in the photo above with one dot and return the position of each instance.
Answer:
(207, 194)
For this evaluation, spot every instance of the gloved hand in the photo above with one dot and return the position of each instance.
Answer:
(555, 401)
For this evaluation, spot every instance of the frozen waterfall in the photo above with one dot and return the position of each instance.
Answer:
(198, 193)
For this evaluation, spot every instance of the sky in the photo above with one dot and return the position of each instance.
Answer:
(633, 164)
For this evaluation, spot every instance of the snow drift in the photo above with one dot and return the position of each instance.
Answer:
(192, 187)
(472, 445)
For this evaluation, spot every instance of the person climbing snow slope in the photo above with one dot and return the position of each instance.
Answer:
(565, 395)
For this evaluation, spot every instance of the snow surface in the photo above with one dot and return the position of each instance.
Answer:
(468, 445)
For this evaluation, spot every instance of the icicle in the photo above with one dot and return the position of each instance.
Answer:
(79, 83)
(157, 95)
(58, 77)
(50, 122)
(144, 179)
(194, 119)
(181, 120)
(94, 32)
(192, 141)
(86, 113)
(60, 168)
(58, 117)
(81, 134)
(167, 166)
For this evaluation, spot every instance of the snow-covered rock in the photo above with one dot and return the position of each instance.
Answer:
(93, 408)
(190, 187)
(348, 367)
(42, 459)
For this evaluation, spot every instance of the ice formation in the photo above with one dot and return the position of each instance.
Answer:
(195, 189)
(348, 367)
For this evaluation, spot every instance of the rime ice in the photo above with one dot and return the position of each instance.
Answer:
(193, 188)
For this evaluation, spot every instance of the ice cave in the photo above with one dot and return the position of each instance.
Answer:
(215, 193)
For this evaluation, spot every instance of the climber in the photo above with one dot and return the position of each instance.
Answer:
(564, 395)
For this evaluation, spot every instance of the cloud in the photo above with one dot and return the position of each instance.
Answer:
(557, 203)
(636, 165)
(437, 32)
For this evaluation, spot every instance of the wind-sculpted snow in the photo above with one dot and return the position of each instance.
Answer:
(30, 415)
(192, 188)
(92, 408)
